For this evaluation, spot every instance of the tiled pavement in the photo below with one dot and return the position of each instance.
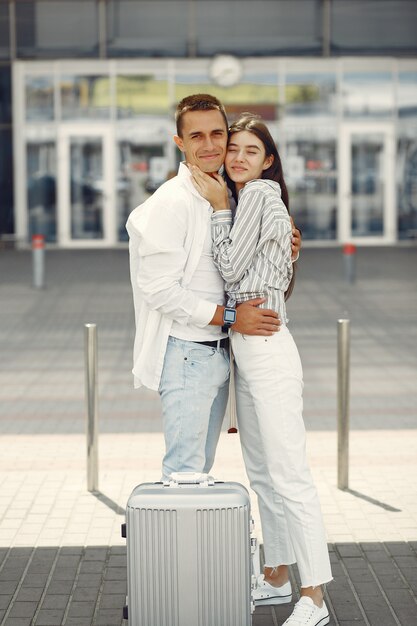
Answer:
(62, 560)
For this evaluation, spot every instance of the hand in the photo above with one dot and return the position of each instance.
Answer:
(295, 241)
(250, 320)
(212, 187)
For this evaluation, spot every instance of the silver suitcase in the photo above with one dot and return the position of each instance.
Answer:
(189, 548)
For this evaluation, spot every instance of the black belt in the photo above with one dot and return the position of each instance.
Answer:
(222, 343)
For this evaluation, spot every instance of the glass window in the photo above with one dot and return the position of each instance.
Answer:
(39, 98)
(57, 28)
(85, 97)
(310, 94)
(5, 94)
(86, 187)
(406, 170)
(407, 94)
(373, 27)
(142, 167)
(6, 181)
(368, 94)
(406, 158)
(256, 92)
(41, 190)
(368, 184)
(4, 31)
(310, 170)
(245, 27)
(141, 95)
(147, 28)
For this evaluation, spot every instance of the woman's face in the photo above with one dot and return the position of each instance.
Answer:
(245, 158)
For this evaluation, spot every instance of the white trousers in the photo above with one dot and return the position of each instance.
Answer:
(269, 384)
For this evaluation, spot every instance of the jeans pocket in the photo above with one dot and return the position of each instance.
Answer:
(200, 356)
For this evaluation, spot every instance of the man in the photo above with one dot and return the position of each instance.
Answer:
(181, 344)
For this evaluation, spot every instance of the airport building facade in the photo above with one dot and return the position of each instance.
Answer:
(88, 90)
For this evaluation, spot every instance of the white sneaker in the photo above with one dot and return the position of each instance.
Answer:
(267, 594)
(306, 613)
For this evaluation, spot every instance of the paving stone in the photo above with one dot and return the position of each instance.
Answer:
(49, 617)
(23, 609)
(108, 617)
(83, 594)
(55, 601)
(81, 609)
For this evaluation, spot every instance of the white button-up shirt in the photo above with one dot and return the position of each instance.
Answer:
(167, 234)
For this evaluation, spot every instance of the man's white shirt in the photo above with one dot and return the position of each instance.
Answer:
(169, 261)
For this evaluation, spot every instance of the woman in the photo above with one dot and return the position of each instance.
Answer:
(253, 254)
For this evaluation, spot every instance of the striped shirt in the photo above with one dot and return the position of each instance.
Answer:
(253, 251)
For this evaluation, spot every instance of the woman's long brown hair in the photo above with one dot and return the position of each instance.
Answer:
(253, 124)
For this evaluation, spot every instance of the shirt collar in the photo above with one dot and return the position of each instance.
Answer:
(184, 176)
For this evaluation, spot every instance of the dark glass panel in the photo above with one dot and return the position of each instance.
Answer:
(264, 27)
(5, 94)
(6, 181)
(377, 27)
(151, 28)
(57, 28)
(4, 31)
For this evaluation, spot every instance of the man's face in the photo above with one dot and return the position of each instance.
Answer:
(204, 139)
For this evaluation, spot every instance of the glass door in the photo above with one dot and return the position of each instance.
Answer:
(367, 183)
(85, 187)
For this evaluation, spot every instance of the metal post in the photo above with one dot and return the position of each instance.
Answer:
(90, 349)
(38, 261)
(343, 358)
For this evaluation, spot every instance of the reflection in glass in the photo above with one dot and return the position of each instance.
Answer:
(141, 170)
(368, 94)
(368, 186)
(41, 188)
(310, 94)
(311, 177)
(141, 95)
(39, 98)
(85, 97)
(86, 180)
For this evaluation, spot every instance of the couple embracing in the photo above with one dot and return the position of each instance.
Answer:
(212, 261)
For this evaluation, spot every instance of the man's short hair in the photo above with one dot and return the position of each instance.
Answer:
(198, 102)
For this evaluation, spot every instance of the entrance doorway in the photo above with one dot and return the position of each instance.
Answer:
(367, 183)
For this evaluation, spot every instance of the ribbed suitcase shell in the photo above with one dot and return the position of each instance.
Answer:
(189, 555)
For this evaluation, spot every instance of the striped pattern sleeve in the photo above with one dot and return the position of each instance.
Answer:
(234, 248)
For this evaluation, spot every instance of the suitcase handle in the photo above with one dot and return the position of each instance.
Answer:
(190, 478)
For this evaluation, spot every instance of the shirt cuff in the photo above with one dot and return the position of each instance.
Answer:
(222, 217)
(203, 313)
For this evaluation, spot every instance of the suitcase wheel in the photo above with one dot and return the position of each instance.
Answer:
(125, 612)
(123, 530)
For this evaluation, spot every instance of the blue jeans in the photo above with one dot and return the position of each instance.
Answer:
(194, 390)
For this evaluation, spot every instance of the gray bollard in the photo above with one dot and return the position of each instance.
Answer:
(38, 261)
(343, 359)
(349, 262)
(91, 394)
